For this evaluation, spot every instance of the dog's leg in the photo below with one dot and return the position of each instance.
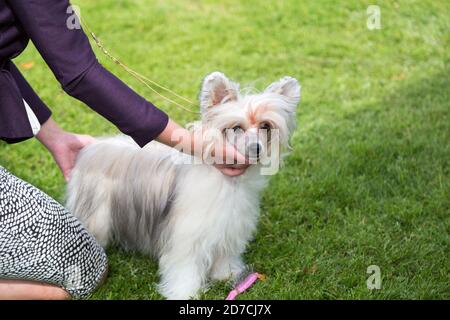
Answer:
(227, 267)
(181, 277)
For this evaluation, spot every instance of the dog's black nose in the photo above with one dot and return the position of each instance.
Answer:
(254, 150)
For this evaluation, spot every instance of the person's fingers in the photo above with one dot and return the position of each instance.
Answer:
(65, 170)
(66, 174)
(231, 153)
(66, 165)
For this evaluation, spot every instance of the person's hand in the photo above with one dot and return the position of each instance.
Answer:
(64, 146)
(65, 151)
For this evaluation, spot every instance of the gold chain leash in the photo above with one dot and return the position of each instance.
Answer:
(144, 80)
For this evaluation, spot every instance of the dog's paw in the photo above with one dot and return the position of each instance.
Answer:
(237, 268)
(185, 290)
(225, 269)
(221, 273)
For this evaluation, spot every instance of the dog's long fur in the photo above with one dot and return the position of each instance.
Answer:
(192, 218)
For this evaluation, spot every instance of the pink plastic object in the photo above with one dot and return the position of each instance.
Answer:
(245, 284)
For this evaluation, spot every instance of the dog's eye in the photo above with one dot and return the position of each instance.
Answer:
(237, 129)
(265, 126)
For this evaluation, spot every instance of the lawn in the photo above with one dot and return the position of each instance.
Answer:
(367, 182)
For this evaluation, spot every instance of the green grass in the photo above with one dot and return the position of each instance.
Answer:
(368, 180)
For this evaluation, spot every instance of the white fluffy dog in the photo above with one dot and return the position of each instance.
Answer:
(195, 219)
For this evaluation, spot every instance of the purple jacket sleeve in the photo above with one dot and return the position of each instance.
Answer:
(69, 55)
(39, 108)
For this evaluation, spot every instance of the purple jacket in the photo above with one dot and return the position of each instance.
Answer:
(69, 55)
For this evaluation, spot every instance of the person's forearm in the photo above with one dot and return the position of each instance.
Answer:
(176, 136)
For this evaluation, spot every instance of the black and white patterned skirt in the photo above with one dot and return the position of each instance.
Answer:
(41, 241)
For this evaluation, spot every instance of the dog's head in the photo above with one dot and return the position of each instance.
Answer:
(254, 123)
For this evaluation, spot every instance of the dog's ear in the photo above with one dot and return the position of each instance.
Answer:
(217, 89)
(287, 87)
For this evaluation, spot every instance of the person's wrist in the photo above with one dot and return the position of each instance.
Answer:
(51, 135)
